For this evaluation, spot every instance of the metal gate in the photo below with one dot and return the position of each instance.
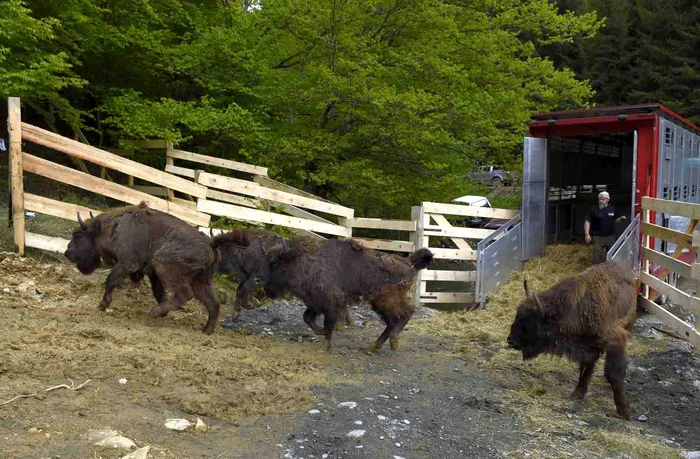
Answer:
(498, 255)
(626, 248)
(534, 198)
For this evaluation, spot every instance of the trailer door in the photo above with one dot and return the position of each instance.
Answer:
(534, 235)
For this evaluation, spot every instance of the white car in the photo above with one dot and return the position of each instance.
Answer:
(479, 222)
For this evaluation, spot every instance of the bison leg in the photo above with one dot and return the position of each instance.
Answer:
(395, 313)
(310, 316)
(205, 293)
(329, 322)
(615, 366)
(157, 287)
(586, 369)
(114, 280)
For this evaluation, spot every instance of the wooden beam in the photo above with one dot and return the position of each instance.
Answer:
(453, 254)
(446, 297)
(122, 193)
(680, 327)
(260, 216)
(671, 263)
(466, 233)
(152, 190)
(678, 208)
(49, 243)
(384, 244)
(468, 211)
(279, 186)
(460, 276)
(377, 223)
(112, 161)
(219, 162)
(58, 209)
(233, 199)
(183, 171)
(681, 239)
(442, 222)
(14, 128)
(257, 191)
(296, 212)
(676, 296)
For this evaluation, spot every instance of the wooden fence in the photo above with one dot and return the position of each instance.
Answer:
(258, 200)
(654, 279)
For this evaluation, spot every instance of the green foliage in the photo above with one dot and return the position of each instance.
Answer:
(376, 104)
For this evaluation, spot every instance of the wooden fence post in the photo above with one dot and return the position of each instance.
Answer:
(14, 128)
(418, 216)
(169, 161)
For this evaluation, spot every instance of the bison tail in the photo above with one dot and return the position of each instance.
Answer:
(420, 259)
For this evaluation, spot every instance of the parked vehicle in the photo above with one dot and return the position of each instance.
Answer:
(493, 175)
(479, 222)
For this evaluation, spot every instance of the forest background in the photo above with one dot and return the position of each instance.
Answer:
(375, 104)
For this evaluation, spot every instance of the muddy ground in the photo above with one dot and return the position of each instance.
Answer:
(266, 387)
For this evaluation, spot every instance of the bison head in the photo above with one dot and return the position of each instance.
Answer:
(82, 250)
(528, 332)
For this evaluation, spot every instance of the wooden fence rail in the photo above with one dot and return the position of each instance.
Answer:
(654, 279)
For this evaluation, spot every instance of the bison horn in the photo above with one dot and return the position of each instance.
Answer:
(80, 220)
(537, 302)
(527, 288)
(91, 216)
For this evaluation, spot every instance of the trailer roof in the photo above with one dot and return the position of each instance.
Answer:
(612, 111)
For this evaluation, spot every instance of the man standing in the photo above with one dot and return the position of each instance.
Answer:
(600, 223)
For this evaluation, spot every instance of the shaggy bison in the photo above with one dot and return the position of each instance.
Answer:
(581, 318)
(136, 241)
(330, 275)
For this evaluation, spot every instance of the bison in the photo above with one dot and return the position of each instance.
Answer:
(136, 241)
(330, 275)
(581, 318)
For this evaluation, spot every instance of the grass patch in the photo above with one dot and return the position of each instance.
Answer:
(622, 444)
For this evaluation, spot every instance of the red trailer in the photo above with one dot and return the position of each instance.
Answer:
(631, 152)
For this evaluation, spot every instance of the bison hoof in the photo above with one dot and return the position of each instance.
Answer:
(234, 314)
(207, 330)
(394, 342)
(104, 305)
(320, 331)
(625, 412)
(578, 394)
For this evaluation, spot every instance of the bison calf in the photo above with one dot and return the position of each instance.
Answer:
(137, 241)
(581, 318)
(330, 275)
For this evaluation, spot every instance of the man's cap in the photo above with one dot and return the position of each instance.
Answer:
(604, 194)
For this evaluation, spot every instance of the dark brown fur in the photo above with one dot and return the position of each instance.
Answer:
(330, 275)
(137, 241)
(581, 318)
(247, 255)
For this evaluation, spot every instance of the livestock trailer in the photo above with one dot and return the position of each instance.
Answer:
(630, 151)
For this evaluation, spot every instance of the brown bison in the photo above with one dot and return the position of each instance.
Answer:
(136, 241)
(330, 275)
(581, 318)
(247, 255)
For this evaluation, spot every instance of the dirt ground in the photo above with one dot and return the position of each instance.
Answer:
(266, 388)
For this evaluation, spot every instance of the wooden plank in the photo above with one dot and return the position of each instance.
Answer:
(296, 212)
(51, 244)
(257, 191)
(682, 328)
(461, 276)
(385, 244)
(468, 211)
(377, 223)
(97, 185)
(466, 233)
(446, 297)
(233, 199)
(14, 128)
(453, 254)
(177, 170)
(58, 209)
(152, 190)
(279, 186)
(664, 260)
(260, 216)
(676, 296)
(219, 162)
(112, 161)
(184, 202)
(683, 209)
(645, 243)
(678, 238)
(419, 241)
(442, 222)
